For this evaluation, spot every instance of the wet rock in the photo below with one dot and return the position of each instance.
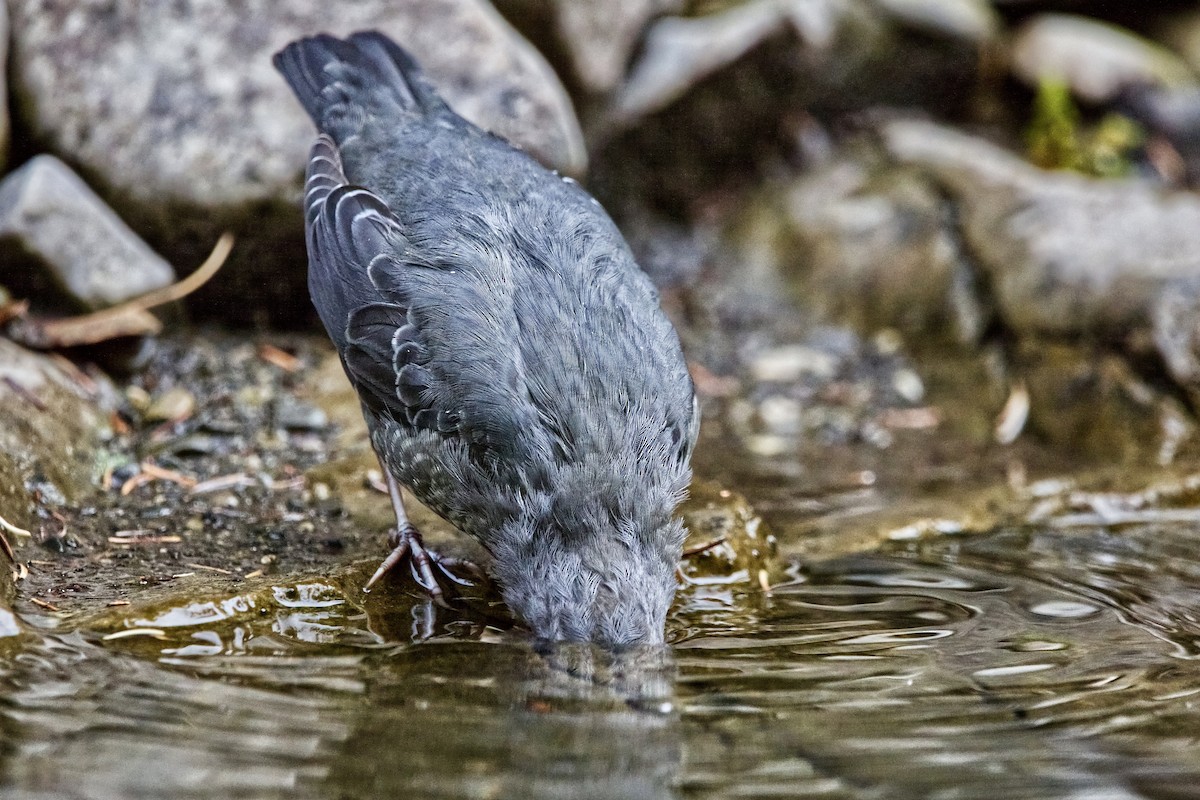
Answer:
(174, 404)
(49, 216)
(706, 92)
(52, 429)
(1096, 60)
(178, 114)
(1063, 254)
(870, 246)
(597, 39)
(1091, 404)
(1176, 316)
(726, 537)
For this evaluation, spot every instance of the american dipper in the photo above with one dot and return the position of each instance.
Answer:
(515, 370)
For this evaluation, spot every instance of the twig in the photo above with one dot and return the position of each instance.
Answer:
(131, 318)
(176, 291)
(161, 473)
(703, 548)
(26, 395)
(153, 633)
(13, 529)
(210, 569)
(134, 482)
(279, 357)
(238, 480)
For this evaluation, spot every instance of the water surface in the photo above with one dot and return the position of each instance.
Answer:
(1040, 662)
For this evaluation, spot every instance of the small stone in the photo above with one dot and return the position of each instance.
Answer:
(294, 415)
(174, 404)
(138, 397)
(908, 385)
(781, 415)
(792, 362)
(48, 214)
(768, 445)
(321, 492)
(888, 342)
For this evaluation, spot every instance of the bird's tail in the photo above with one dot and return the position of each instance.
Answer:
(341, 82)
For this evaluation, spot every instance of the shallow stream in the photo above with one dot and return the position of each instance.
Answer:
(1051, 661)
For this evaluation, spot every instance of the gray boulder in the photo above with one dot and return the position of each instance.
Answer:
(50, 216)
(178, 118)
(1063, 254)
(863, 244)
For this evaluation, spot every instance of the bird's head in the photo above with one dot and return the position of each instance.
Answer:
(575, 571)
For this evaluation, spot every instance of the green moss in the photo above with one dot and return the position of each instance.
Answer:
(1057, 137)
(1053, 135)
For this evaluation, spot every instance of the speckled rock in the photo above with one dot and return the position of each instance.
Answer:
(50, 216)
(1096, 60)
(177, 114)
(52, 429)
(1063, 254)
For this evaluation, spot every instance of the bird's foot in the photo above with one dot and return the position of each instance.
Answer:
(407, 545)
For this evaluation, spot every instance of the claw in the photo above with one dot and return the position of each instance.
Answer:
(447, 565)
(420, 564)
(406, 542)
(386, 566)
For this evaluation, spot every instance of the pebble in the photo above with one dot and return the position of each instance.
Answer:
(908, 385)
(174, 404)
(294, 415)
(791, 363)
(781, 415)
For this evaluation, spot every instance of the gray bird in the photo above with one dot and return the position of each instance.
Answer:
(515, 370)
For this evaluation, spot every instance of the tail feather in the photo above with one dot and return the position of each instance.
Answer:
(341, 83)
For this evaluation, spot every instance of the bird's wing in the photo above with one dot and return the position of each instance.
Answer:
(422, 341)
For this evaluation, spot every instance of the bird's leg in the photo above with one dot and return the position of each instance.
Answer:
(405, 541)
